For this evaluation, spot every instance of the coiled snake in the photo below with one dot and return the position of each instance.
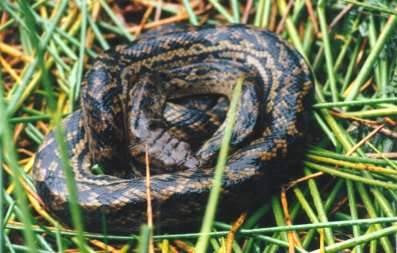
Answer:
(122, 112)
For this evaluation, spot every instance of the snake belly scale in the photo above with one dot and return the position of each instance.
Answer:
(123, 97)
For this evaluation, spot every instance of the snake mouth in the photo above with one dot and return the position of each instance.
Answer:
(188, 119)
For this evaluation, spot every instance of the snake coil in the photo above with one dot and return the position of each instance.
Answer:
(158, 93)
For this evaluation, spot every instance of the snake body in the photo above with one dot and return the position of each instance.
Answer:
(126, 110)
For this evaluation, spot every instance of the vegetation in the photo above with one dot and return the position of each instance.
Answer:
(346, 199)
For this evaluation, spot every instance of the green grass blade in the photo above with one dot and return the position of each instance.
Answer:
(9, 149)
(328, 52)
(192, 16)
(144, 239)
(236, 10)
(218, 6)
(388, 30)
(209, 216)
(75, 90)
